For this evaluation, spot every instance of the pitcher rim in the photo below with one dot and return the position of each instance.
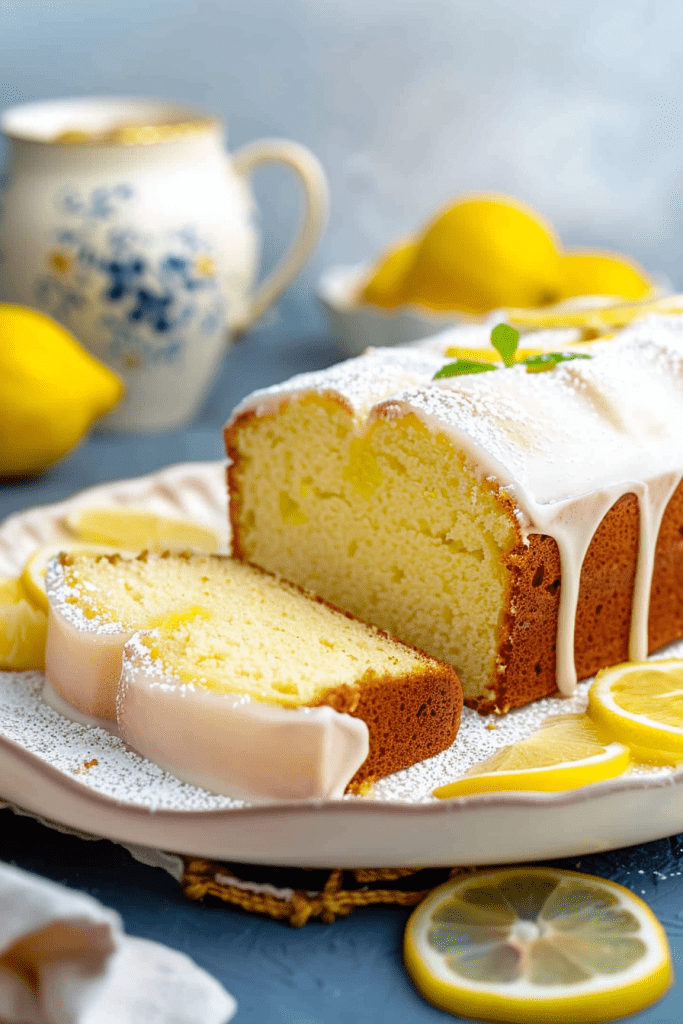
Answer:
(122, 132)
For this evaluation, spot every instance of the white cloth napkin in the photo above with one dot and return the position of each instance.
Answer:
(64, 959)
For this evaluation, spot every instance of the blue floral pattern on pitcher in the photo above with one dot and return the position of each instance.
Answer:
(152, 290)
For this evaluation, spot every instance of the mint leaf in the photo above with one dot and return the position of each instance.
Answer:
(505, 340)
(461, 367)
(549, 360)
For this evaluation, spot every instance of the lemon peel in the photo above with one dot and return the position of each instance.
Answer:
(533, 944)
(565, 752)
(642, 704)
(51, 391)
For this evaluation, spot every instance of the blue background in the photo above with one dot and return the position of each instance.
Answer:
(574, 106)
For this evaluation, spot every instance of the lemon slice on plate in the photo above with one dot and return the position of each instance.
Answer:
(642, 704)
(33, 575)
(138, 528)
(537, 944)
(565, 752)
(23, 628)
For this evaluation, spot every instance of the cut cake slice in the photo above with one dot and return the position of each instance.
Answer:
(235, 680)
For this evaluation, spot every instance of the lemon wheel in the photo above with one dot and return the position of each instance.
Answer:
(642, 704)
(537, 944)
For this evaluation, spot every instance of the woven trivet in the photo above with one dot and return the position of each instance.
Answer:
(299, 894)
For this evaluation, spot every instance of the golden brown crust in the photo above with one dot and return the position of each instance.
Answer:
(526, 656)
(666, 599)
(234, 494)
(408, 720)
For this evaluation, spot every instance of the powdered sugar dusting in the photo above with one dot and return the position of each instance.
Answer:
(620, 409)
(121, 775)
(65, 592)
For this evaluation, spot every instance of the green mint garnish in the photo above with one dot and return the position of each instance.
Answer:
(463, 366)
(505, 340)
(549, 360)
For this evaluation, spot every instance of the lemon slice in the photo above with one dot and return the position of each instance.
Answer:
(534, 343)
(23, 629)
(563, 753)
(642, 704)
(137, 528)
(537, 944)
(33, 575)
(598, 318)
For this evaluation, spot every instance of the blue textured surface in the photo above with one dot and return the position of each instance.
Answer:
(343, 973)
(349, 972)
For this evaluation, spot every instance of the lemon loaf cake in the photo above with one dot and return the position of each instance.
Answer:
(233, 679)
(525, 527)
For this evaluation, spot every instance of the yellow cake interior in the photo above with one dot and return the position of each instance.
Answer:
(230, 627)
(394, 526)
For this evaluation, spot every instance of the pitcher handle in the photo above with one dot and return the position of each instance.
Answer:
(316, 193)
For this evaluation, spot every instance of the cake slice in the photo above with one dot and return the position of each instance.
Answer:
(525, 527)
(235, 680)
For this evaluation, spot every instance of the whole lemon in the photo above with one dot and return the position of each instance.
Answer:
(585, 272)
(386, 277)
(482, 253)
(51, 391)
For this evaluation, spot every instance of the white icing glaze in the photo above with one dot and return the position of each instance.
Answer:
(229, 744)
(565, 445)
(82, 665)
(233, 745)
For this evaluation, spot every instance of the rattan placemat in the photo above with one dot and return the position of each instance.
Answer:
(300, 894)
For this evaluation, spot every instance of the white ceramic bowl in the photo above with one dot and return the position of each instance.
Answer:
(359, 325)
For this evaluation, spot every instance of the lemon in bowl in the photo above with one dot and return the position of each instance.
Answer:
(483, 253)
(480, 254)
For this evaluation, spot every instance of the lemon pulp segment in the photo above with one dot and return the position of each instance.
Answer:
(528, 944)
(565, 752)
(596, 319)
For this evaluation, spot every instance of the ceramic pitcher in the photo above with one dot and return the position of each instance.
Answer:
(127, 221)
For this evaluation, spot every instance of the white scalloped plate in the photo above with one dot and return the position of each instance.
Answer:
(46, 762)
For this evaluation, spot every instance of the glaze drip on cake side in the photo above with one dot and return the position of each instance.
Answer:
(562, 445)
